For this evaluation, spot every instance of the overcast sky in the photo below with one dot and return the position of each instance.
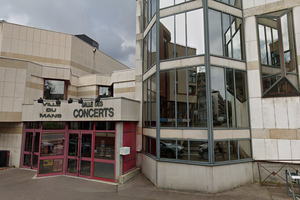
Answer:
(110, 22)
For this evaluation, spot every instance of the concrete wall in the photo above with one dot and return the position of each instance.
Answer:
(196, 178)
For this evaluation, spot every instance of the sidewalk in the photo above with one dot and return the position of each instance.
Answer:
(21, 184)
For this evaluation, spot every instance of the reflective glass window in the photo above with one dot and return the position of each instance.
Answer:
(230, 99)
(241, 99)
(105, 126)
(54, 125)
(182, 150)
(104, 146)
(153, 100)
(182, 113)
(104, 170)
(233, 150)
(81, 125)
(244, 149)
(195, 32)
(145, 107)
(221, 151)
(235, 3)
(168, 3)
(168, 149)
(167, 47)
(199, 151)
(54, 89)
(52, 144)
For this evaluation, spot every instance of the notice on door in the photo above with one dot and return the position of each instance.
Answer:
(57, 165)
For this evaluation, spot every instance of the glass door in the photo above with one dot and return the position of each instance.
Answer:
(79, 157)
(31, 149)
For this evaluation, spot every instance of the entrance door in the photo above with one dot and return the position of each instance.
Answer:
(79, 157)
(31, 150)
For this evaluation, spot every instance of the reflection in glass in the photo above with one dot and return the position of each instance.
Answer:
(54, 125)
(180, 47)
(73, 144)
(145, 110)
(27, 160)
(167, 41)
(236, 3)
(36, 146)
(72, 166)
(182, 154)
(85, 168)
(230, 97)
(81, 125)
(218, 97)
(282, 87)
(195, 32)
(181, 98)
(293, 79)
(215, 32)
(145, 54)
(236, 38)
(52, 144)
(153, 146)
(111, 126)
(221, 151)
(153, 101)
(28, 141)
(199, 151)
(244, 149)
(153, 45)
(166, 3)
(263, 50)
(33, 125)
(167, 99)
(54, 89)
(35, 161)
(168, 149)
(241, 99)
(104, 146)
(149, 101)
(104, 170)
(86, 145)
(269, 81)
(227, 35)
(197, 100)
(233, 150)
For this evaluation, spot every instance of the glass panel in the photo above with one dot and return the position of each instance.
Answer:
(33, 125)
(215, 32)
(73, 145)
(293, 79)
(86, 145)
(145, 13)
(181, 98)
(110, 126)
(236, 38)
(268, 82)
(182, 151)
(36, 142)
(81, 126)
(167, 99)
(105, 146)
(168, 149)
(85, 168)
(227, 35)
(233, 150)
(35, 161)
(28, 141)
(104, 170)
(230, 97)
(27, 160)
(168, 34)
(149, 50)
(263, 51)
(153, 7)
(244, 149)
(180, 35)
(195, 32)
(199, 151)
(54, 125)
(282, 88)
(51, 166)
(72, 166)
(145, 110)
(197, 102)
(179, 1)
(166, 3)
(54, 89)
(52, 144)
(218, 97)
(269, 70)
(153, 101)
(153, 146)
(153, 45)
(149, 102)
(221, 151)
(105, 91)
(146, 52)
(241, 99)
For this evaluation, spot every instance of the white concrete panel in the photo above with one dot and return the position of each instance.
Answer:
(281, 118)
(2, 89)
(268, 112)
(17, 107)
(284, 149)
(259, 2)
(296, 12)
(7, 104)
(10, 75)
(2, 73)
(252, 51)
(250, 30)
(271, 149)
(256, 113)
(259, 151)
(293, 110)
(19, 90)
(295, 149)
(1, 102)
(21, 76)
(255, 86)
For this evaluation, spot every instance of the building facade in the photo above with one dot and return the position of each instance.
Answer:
(215, 88)
(230, 97)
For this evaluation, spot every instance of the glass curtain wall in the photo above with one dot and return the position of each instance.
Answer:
(183, 96)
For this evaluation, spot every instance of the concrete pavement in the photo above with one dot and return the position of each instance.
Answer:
(20, 184)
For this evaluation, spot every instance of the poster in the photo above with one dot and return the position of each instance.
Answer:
(57, 165)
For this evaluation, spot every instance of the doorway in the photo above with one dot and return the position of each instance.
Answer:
(79, 154)
(31, 150)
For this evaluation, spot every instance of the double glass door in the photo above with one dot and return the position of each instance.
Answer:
(79, 154)
(31, 150)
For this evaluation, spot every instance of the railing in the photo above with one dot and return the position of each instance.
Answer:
(273, 169)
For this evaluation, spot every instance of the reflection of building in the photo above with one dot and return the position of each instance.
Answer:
(219, 107)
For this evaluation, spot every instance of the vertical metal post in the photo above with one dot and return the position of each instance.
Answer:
(157, 83)
(208, 83)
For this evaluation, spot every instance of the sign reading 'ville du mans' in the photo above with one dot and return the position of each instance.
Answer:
(88, 110)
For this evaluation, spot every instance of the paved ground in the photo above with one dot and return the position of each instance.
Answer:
(19, 184)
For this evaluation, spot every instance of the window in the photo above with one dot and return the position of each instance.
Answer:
(105, 91)
(277, 54)
(150, 48)
(182, 35)
(235, 3)
(168, 3)
(54, 89)
(226, 35)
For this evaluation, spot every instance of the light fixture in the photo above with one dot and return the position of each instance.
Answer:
(70, 101)
(80, 101)
(97, 99)
(40, 100)
(58, 102)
